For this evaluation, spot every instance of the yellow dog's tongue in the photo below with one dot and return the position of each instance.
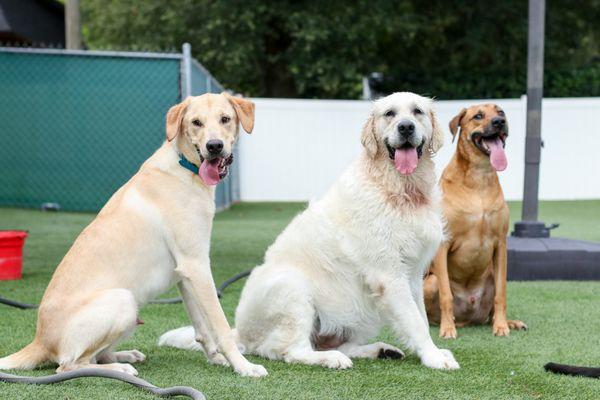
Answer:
(406, 160)
(209, 171)
(497, 155)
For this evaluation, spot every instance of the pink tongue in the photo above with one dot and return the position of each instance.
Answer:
(209, 171)
(497, 155)
(406, 160)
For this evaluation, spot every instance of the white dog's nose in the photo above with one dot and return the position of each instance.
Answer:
(406, 128)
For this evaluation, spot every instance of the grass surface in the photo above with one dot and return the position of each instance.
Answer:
(563, 317)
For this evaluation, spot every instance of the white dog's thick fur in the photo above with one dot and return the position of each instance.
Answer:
(353, 261)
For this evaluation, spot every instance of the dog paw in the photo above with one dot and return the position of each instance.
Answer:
(130, 356)
(515, 324)
(252, 370)
(439, 359)
(336, 360)
(125, 368)
(387, 351)
(448, 331)
(501, 329)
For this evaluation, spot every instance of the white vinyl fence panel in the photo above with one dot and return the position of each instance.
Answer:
(300, 147)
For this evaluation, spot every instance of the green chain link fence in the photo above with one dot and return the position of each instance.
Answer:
(76, 125)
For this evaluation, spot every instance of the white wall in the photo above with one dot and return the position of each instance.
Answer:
(299, 147)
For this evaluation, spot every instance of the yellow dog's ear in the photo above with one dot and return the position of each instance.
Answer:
(175, 118)
(244, 110)
(437, 138)
(455, 123)
(368, 138)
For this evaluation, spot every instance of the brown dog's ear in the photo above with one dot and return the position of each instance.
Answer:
(455, 123)
(175, 117)
(367, 137)
(244, 110)
(437, 138)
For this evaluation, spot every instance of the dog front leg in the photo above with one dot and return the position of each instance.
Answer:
(416, 286)
(198, 281)
(396, 302)
(440, 270)
(203, 335)
(500, 324)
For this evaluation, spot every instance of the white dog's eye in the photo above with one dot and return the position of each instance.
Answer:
(225, 119)
(390, 113)
(417, 111)
(196, 122)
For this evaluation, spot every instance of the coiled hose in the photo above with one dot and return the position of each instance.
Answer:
(105, 373)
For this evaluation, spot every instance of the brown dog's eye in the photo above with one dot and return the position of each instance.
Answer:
(390, 113)
(501, 113)
(225, 119)
(196, 122)
(478, 116)
(417, 111)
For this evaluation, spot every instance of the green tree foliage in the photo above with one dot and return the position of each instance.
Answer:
(311, 48)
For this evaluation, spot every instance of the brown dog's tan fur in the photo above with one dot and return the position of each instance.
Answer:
(467, 280)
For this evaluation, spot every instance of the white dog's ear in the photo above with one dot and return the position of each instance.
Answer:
(455, 123)
(368, 138)
(437, 137)
(175, 118)
(244, 110)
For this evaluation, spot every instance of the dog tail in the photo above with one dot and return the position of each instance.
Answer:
(182, 338)
(29, 357)
(589, 372)
(185, 338)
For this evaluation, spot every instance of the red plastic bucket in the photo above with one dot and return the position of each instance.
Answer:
(11, 254)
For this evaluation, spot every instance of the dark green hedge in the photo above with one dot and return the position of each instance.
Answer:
(321, 49)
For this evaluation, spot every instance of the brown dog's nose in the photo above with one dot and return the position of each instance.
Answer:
(214, 146)
(498, 122)
(406, 128)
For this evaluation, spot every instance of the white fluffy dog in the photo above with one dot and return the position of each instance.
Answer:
(354, 261)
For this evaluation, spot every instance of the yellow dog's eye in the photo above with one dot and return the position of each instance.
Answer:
(225, 119)
(478, 116)
(196, 122)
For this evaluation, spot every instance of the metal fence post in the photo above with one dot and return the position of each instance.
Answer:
(529, 226)
(186, 71)
(72, 25)
(535, 87)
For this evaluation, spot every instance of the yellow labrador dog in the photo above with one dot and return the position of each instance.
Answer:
(153, 232)
(354, 260)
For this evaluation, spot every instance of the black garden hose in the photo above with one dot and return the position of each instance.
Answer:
(12, 303)
(231, 280)
(104, 373)
(220, 290)
(26, 306)
(172, 300)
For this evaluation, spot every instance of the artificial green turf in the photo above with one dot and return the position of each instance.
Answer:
(563, 317)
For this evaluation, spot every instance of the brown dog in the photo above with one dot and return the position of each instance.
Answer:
(467, 281)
